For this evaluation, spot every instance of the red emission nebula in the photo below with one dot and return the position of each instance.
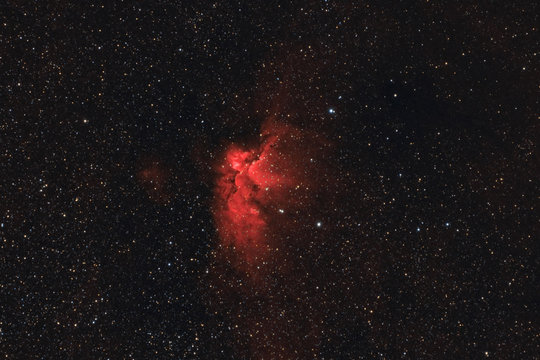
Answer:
(264, 200)
(275, 252)
(257, 187)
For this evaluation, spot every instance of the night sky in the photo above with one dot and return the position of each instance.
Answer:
(263, 180)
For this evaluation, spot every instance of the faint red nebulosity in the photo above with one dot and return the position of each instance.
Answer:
(154, 176)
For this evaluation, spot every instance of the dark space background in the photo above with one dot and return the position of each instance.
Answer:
(113, 113)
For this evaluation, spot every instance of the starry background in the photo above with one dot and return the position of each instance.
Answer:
(113, 113)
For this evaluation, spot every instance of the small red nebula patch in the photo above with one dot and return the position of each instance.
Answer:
(154, 176)
(266, 197)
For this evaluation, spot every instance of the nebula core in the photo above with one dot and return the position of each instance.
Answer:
(257, 186)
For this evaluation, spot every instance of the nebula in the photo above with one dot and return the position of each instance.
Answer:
(154, 176)
(276, 250)
(256, 187)
(263, 196)
(280, 250)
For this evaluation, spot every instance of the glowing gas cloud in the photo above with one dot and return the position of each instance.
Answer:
(268, 195)
(255, 185)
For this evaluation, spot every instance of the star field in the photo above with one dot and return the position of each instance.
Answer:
(265, 180)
